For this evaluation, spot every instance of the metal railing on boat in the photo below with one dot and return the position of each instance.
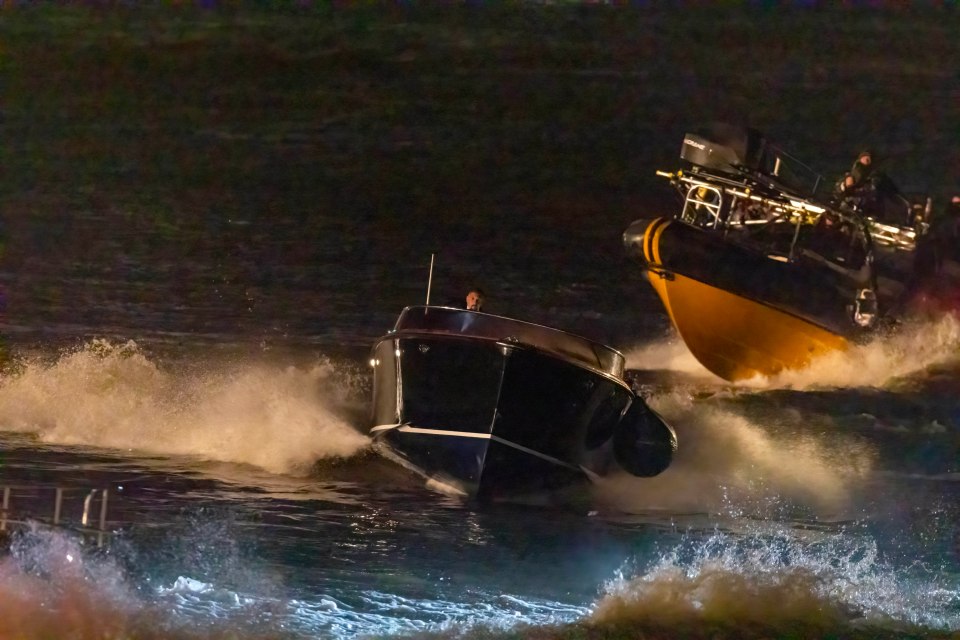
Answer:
(92, 522)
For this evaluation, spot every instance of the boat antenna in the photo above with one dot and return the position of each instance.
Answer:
(430, 279)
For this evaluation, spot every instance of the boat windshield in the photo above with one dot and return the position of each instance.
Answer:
(792, 174)
(745, 155)
(450, 321)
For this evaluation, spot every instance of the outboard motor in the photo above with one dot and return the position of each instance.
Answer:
(643, 444)
(725, 148)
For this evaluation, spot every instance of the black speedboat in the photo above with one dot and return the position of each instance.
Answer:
(763, 268)
(493, 408)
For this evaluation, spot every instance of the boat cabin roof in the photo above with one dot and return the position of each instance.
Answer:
(474, 324)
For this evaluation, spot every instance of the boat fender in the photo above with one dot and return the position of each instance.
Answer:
(643, 444)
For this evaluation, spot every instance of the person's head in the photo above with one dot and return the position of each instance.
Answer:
(865, 157)
(475, 299)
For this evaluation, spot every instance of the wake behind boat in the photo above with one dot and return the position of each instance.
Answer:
(762, 270)
(492, 407)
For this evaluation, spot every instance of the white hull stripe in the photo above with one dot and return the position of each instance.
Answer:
(405, 428)
(385, 427)
(442, 432)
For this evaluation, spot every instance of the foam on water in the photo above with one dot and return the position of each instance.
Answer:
(281, 419)
(49, 589)
(767, 582)
(669, 354)
(908, 349)
(778, 582)
(53, 586)
(723, 456)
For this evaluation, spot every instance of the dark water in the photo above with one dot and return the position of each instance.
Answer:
(209, 215)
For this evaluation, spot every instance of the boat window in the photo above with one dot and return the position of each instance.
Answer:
(450, 384)
(549, 402)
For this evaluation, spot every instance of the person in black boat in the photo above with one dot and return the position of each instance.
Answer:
(475, 299)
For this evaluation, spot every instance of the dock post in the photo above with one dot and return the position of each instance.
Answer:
(103, 517)
(86, 507)
(6, 507)
(58, 503)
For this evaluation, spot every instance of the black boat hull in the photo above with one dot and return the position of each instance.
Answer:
(494, 419)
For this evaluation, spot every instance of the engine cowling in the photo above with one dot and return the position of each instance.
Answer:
(643, 443)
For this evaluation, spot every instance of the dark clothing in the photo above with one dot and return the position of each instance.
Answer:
(861, 174)
(859, 179)
(874, 194)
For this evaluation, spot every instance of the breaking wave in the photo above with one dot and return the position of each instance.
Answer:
(776, 584)
(281, 419)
